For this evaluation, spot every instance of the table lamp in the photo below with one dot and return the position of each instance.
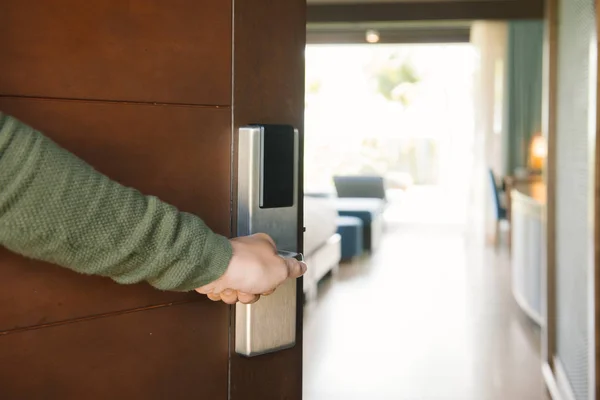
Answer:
(537, 152)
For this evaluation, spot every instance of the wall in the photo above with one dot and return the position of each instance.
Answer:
(523, 107)
(490, 41)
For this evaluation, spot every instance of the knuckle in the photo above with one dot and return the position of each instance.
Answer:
(285, 273)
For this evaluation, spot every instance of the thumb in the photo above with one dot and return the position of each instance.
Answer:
(295, 268)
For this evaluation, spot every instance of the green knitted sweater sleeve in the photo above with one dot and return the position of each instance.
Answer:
(54, 207)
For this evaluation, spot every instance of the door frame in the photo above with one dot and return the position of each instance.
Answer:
(553, 372)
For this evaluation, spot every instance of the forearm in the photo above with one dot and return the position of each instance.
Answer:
(55, 207)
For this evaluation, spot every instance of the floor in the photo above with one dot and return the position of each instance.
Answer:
(428, 205)
(428, 317)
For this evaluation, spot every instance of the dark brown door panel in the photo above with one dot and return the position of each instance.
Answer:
(175, 352)
(270, 92)
(34, 294)
(180, 154)
(176, 51)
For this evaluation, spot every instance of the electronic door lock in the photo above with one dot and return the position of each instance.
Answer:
(267, 202)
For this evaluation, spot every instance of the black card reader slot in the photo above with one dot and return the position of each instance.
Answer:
(277, 166)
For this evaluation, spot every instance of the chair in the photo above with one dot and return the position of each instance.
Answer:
(499, 209)
(363, 197)
(358, 186)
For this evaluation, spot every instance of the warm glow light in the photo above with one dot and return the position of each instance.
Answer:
(372, 36)
(537, 151)
(538, 147)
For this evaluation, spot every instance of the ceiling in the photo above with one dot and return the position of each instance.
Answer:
(409, 21)
(324, 11)
(387, 1)
(390, 32)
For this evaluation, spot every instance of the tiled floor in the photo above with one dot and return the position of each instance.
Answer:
(429, 317)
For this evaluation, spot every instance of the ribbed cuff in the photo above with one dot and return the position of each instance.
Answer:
(219, 252)
(215, 259)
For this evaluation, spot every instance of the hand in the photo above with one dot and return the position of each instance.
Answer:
(255, 269)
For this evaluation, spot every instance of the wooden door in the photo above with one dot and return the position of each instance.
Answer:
(150, 93)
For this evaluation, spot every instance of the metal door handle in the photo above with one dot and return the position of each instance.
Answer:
(291, 254)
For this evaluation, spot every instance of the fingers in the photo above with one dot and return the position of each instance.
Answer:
(229, 296)
(232, 297)
(295, 268)
(247, 298)
(213, 296)
(205, 289)
(265, 237)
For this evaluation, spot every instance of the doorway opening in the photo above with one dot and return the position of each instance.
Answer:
(417, 307)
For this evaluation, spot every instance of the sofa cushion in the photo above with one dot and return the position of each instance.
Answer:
(367, 209)
(370, 211)
(351, 230)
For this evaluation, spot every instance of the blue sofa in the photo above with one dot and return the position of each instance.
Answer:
(361, 197)
(364, 197)
(370, 211)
